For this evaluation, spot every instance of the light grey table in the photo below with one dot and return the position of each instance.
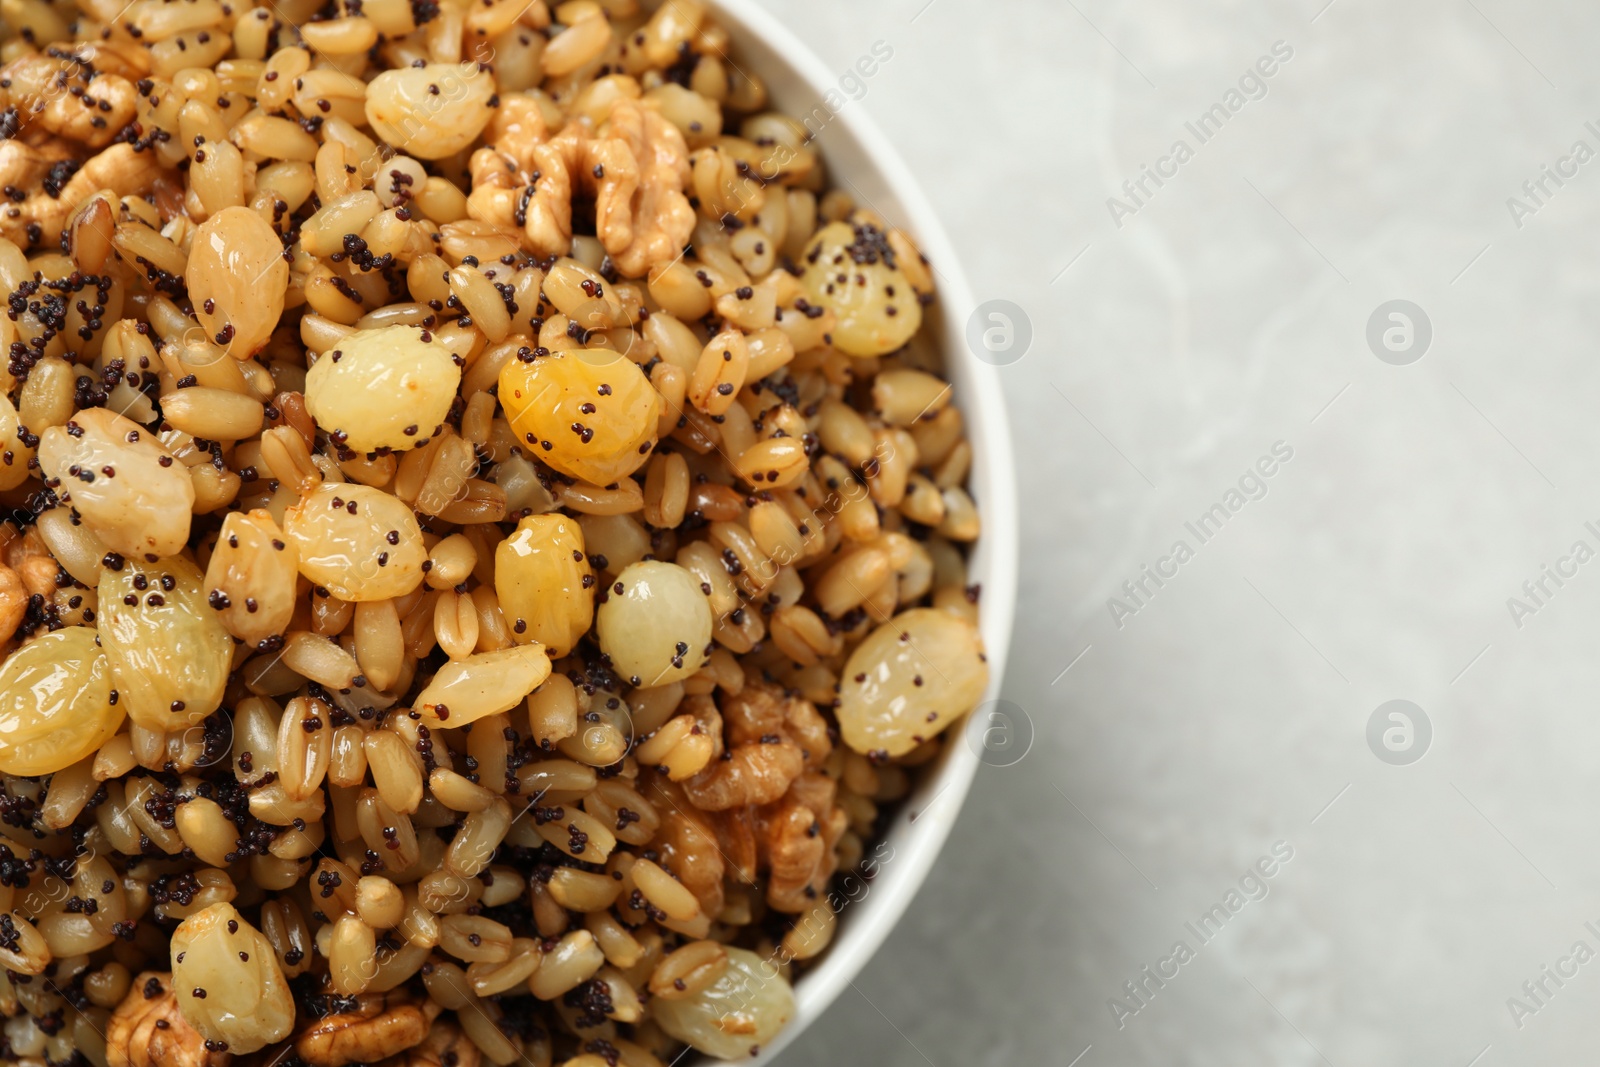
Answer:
(1227, 313)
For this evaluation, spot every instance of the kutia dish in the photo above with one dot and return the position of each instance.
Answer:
(490, 545)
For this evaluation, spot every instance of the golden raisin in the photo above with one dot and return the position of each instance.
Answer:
(589, 413)
(55, 703)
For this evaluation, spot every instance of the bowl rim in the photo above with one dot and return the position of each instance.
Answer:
(918, 832)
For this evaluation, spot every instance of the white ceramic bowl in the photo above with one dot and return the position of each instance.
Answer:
(860, 160)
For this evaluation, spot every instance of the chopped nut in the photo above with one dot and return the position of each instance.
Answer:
(149, 1031)
(34, 87)
(382, 1025)
(445, 1046)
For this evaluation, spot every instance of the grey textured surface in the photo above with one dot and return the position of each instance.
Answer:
(1230, 313)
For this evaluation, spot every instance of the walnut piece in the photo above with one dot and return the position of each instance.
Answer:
(641, 213)
(445, 1046)
(41, 88)
(381, 1026)
(762, 760)
(147, 1030)
(635, 167)
(38, 220)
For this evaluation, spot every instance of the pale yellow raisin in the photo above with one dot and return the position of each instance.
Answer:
(655, 623)
(852, 270)
(55, 703)
(237, 278)
(744, 1008)
(168, 651)
(912, 677)
(228, 982)
(488, 683)
(250, 578)
(430, 111)
(385, 388)
(544, 582)
(130, 490)
(357, 542)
